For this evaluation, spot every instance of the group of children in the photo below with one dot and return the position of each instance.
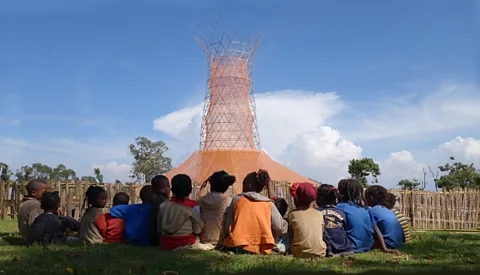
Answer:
(345, 220)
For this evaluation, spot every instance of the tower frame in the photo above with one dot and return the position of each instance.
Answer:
(229, 122)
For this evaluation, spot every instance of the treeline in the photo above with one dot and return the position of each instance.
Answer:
(46, 173)
(451, 175)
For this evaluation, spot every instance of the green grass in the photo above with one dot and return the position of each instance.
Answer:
(427, 252)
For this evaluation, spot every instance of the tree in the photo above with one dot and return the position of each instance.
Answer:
(459, 175)
(89, 179)
(62, 173)
(360, 169)
(5, 173)
(149, 159)
(118, 182)
(409, 184)
(41, 171)
(24, 174)
(98, 175)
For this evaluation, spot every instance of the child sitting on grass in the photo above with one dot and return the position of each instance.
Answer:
(335, 236)
(136, 217)
(390, 204)
(282, 243)
(181, 189)
(252, 220)
(388, 231)
(359, 224)
(161, 190)
(213, 206)
(30, 207)
(306, 223)
(49, 227)
(177, 223)
(96, 199)
(111, 227)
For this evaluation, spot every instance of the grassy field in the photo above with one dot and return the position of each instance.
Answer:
(427, 252)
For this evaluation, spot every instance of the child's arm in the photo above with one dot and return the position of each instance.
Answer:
(197, 223)
(70, 223)
(381, 242)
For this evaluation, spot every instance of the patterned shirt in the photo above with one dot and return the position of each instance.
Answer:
(404, 223)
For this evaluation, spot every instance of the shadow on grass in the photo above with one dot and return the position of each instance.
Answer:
(426, 254)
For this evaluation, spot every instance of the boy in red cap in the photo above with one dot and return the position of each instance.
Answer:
(306, 223)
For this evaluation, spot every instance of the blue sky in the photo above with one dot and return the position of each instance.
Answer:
(100, 72)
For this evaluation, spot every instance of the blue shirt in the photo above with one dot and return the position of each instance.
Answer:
(335, 236)
(136, 221)
(389, 225)
(359, 226)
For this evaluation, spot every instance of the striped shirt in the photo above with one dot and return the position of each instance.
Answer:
(404, 223)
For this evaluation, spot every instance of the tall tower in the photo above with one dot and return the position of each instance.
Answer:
(229, 137)
(229, 121)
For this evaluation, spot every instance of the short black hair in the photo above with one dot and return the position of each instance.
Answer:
(390, 201)
(378, 194)
(220, 181)
(327, 195)
(157, 182)
(181, 186)
(121, 198)
(50, 201)
(92, 194)
(351, 190)
(281, 205)
(33, 185)
(146, 193)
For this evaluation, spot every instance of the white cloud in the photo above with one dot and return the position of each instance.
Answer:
(452, 107)
(462, 148)
(400, 165)
(113, 171)
(321, 154)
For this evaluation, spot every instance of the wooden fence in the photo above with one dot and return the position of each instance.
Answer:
(457, 210)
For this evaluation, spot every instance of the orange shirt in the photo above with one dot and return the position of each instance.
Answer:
(251, 228)
(112, 229)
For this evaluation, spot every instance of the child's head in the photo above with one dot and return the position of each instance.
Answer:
(121, 198)
(327, 195)
(146, 194)
(281, 205)
(376, 195)
(96, 196)
(181, 186)
(351, 190)
(256, 181)
(220, 181)
(50, 202)
(390, 201)
(35, 188)
(303, 193)
(161, 186)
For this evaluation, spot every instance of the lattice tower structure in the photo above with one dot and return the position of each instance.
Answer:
(229, 121)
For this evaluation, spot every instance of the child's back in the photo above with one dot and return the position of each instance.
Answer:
(389, 226)
(178, 225)
(334, 218)
(49, 227)
(306, 223)
(359, 223)
(112, 227)
(390, 204)
(335, 236)
(136, 217)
